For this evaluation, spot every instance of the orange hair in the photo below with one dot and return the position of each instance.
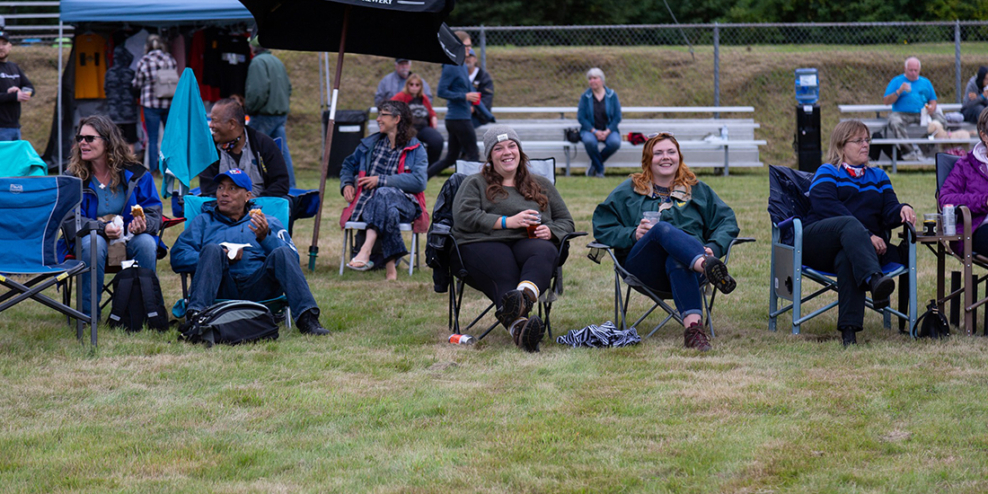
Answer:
(643, 181)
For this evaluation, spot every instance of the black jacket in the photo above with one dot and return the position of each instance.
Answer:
(121, 102)
(268, 158)
(10, 109)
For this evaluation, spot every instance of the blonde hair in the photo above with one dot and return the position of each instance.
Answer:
(643, 181)
(414, 77)
(842, 133)
(117, 151)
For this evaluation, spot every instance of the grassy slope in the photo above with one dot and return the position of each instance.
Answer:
(385, 404)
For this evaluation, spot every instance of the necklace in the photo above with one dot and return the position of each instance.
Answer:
(102, 182)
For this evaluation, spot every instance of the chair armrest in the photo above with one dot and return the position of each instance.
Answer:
(87, 226)
(786, 223)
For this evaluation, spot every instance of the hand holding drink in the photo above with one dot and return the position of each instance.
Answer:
(534, 223)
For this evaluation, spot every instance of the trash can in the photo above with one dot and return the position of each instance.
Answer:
(807, 141)
(347, 133)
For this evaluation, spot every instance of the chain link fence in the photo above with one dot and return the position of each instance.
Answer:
(728, 64)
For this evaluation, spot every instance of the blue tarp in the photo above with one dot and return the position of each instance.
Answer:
(152, 11)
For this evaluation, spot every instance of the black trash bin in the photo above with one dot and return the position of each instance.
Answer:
(347, 133)
(807, 139)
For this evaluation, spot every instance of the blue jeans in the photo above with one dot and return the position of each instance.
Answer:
(279, 274)
(10, 134)
(383, 212)
(598, 157)
(663, 260)
(143, 248)
(274, 127)
(152, 118)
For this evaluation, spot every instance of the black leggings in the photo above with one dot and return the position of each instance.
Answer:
(462, 137)
(433, 141)
(496, 268)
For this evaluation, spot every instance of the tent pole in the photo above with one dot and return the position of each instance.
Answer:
(314, 248)
(59, 119)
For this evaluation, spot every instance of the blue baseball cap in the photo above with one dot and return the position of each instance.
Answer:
(239, 177)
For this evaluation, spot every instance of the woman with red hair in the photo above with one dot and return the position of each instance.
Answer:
(669, 254)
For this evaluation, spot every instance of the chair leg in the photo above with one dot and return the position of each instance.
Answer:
(903, 290)
(346, 244)
(413, 255)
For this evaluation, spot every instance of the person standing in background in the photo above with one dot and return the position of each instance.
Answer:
(15, 88)
(483, 84)
(121, 103)
(155, 109)
(455, 87)
(267, 102)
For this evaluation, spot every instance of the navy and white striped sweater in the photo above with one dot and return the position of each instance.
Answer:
(869, 198)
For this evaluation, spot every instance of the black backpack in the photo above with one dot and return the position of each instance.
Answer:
(437, 249)
(231, 322)
(932, 324)
(137, 301)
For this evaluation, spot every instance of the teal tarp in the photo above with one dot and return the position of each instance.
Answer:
(19, 159)
(152, 11)
(187, 147)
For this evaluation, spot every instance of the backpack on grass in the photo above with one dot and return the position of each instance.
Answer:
(231, 322)
(932, 324)
(137, 301)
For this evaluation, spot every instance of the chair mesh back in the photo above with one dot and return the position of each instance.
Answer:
(33, 209)
(945, 164)
(541, 167)
(788, 191)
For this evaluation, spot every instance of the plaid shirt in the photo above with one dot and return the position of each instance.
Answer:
(384, 162)
(149, 65)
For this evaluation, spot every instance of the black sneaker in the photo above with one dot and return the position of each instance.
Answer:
(716, 272)
(530, 334)
(881, 288)
(849, 335)
(696, 337)
(308, 323)
(514, 305)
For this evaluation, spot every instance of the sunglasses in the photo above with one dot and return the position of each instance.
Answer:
(88, 139)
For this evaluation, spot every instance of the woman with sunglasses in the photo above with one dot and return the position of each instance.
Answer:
(852, 209)
(384, 183)
(114, 183)
(694, 229)
(423, 116)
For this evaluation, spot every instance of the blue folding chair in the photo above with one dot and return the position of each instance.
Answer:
(33, 209)
(788, 202)
(271, 206)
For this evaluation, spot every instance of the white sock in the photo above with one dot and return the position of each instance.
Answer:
(528, 285)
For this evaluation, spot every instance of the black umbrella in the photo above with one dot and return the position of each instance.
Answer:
(412, 29)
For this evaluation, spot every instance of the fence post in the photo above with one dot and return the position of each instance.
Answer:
(957, 59)
(483, 47)
(716, 67)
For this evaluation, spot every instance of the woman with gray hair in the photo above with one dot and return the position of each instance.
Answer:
(155, 60)
(599, 114)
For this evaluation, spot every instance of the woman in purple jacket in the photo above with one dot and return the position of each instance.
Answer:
(967, 185)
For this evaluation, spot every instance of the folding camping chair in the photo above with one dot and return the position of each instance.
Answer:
(657, 297)
(271, 206)
(33, 209)
(542, 167)
(968, 258)
(788, 202)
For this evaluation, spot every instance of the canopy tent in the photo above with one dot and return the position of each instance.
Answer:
(150, 13)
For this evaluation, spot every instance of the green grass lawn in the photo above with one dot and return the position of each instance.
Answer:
(386, 404)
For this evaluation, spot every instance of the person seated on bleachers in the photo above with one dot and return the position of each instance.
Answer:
(266, 268)
(909, 93)
(967, 185)
(599, 114)
(494, 213)
(243, 148)
(852, 209)
(669, 254)
(975, 96)
(423, 115)
(114, 183)
(394, 82)
(383, 182)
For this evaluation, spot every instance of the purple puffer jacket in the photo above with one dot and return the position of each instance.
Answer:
(967, 185)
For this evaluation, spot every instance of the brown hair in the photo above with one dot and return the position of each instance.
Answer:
(842, 133)
(525, 183)
(414, 77)
(983, 122)
(643, 181)
(117, 151)
(406, 130)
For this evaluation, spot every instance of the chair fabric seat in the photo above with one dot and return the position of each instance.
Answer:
(891, 270)
(68, 265)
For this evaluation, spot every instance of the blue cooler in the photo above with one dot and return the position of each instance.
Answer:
(807, 86)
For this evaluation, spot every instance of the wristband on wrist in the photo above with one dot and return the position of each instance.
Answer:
(504, 222)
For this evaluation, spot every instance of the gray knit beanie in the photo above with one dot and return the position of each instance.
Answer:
(496, 134)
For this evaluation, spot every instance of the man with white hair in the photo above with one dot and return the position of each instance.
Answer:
(909, 93)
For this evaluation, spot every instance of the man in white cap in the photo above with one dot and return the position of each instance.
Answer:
(14, 89)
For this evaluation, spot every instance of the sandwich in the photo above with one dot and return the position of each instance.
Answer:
(137, 211)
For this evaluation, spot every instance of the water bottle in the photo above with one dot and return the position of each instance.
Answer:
(723, 133)
(462, 339)
(948, 220)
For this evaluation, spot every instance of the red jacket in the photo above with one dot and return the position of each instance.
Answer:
(407, 98)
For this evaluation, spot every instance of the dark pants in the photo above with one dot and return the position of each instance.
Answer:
(972, 112)
(383, 212)
(462, 137)
(496, 268)
(843, 246)
(662, 259)
(433, 141)
(979, 241)
(279, 274)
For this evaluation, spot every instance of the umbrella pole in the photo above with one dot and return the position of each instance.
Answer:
(314, 248)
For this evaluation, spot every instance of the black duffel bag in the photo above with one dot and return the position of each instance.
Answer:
(231, 322)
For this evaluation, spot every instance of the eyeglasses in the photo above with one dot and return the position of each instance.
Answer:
(657, 134)
(859, 142)
(385, 114)
(88, 139)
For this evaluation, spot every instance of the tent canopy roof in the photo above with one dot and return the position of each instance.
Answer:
(153, 11)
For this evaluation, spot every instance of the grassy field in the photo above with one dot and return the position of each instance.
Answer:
(385, 404)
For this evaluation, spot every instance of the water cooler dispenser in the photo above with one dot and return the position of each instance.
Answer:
(806, 143)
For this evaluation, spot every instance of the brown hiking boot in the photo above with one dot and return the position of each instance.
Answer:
(530, 334)
(695, 337)
(514, 304)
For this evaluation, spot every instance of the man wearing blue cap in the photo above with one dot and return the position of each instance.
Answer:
(267, 267)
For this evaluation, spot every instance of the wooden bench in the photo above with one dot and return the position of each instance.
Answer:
(543, 137)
